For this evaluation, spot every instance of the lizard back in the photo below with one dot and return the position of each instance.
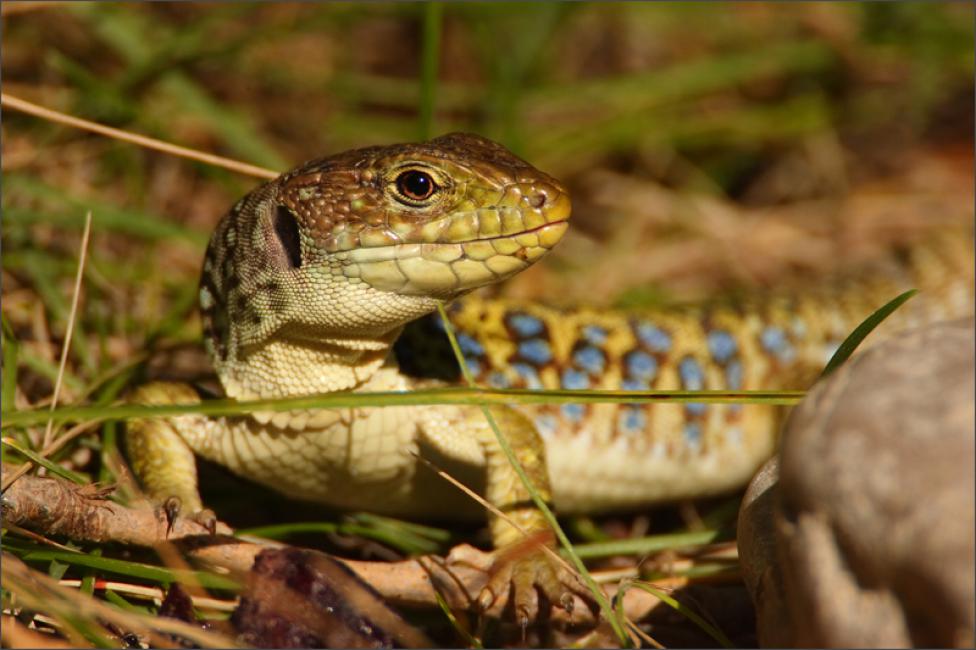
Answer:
(627, 454)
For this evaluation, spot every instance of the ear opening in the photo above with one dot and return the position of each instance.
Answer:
(286, 230)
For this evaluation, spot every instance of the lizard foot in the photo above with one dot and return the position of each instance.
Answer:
(526, 574)
(172, 508)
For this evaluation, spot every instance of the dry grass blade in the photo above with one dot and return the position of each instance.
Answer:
(495, 511)
(11, 8)
(14, 634)
(72, 318)
(580, 568)
(30, 108)
(155, 594)
(41, 539)
(651, 641)
(38, 591)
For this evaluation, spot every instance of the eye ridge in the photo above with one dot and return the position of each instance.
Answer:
(415, 185)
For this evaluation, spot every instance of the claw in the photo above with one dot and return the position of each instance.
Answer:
(531, 581)
(171, 508)
(208, 519)
(526, 597)
(567, 601)
(486, 599)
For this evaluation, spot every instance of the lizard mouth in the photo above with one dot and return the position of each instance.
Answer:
(445, 269)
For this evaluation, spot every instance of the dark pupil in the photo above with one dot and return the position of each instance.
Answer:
(416, 185)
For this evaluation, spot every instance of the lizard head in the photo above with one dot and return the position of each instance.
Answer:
(359, 243)
(433, 219)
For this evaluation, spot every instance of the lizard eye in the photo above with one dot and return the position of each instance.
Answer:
(415, 185)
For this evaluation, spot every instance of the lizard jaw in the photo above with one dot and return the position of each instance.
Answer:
(446, 270)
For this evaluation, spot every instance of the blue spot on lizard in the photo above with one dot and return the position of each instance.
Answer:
(469, 346)
(653, 337)
(535, 350)
(632, 419)
(721, 345)
(529, 374)
(573, 379)
(733, 375)
(573, 412)
(595, 335)
(640, 365)
(499, 380)
(773, 340)
(590, 359)
(525, 325)
(692, 377)
(696, 408)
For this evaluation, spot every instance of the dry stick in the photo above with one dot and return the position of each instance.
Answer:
(72, 316)
(61, 508)
(30, 108)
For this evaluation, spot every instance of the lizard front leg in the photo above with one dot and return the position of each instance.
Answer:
(160, 455)
(523, 567)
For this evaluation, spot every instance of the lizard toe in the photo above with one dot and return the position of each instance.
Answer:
(531, 582)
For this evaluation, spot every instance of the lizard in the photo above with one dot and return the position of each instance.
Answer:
(309, 281)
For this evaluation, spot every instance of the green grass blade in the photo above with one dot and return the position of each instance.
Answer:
(860, 332)
(429, 65)
(430, 532)
(56, 570)
(54, 468)
(281, 531)
(8, 379)
(47, 369)
(122, 567)
(685, 611)
(424, 397)
(397, 538)
(609, 614)
(70, 211)
(88, 581)
(124, 604)
(730, 570)
(652, 544)
(472, 641)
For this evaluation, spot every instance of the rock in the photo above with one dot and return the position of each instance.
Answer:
(298, 598)
(757, 555)
(868, 537)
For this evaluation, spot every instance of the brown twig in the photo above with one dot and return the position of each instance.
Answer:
(57, 507)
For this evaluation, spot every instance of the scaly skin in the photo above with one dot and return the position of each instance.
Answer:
(606, 457)
(306, 285)
(310, 279)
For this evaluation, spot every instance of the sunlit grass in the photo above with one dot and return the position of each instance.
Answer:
(154, 73)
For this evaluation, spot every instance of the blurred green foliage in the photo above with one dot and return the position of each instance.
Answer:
(717, 91)
(695, 97)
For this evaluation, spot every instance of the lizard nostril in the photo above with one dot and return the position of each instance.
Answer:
(539, 198)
